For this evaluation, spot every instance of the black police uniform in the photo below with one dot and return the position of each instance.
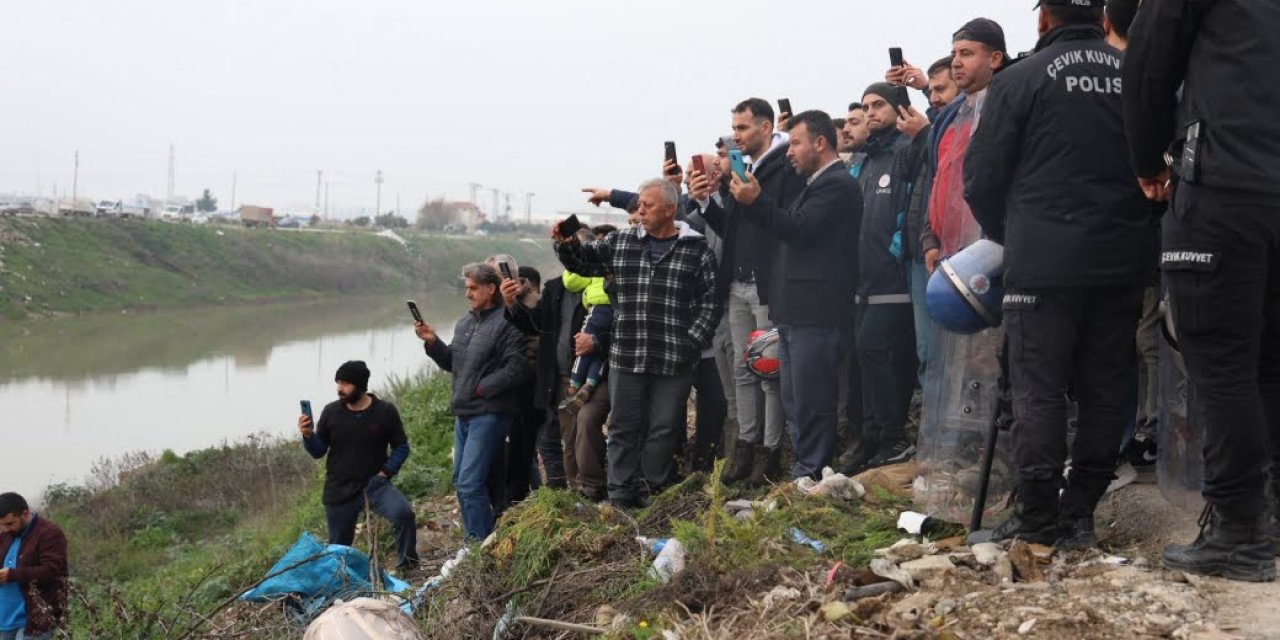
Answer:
(1221, 241)
(1046, 173)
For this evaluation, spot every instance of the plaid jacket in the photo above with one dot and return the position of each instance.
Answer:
(666, 312)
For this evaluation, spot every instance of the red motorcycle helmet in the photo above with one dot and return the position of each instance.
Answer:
(761, 355)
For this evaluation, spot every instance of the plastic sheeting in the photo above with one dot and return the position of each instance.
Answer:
(318, 574)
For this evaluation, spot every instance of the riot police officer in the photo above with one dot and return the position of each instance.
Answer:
(1046, 174)
(1221, 249)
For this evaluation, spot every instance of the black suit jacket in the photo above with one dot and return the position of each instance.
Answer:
(815, 272)
(544, 321)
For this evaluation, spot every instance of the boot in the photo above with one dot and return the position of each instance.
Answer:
(1035, 515)
(765, 466)
(739, 466)
(862, 453)
(1075, 512)
(1231, 546)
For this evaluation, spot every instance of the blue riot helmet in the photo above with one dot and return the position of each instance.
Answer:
(966, 290)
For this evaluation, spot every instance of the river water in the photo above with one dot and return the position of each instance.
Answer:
(77, 391)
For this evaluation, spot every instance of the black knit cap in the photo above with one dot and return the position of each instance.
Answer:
(354, 372)
(982, 30)
(891, 93)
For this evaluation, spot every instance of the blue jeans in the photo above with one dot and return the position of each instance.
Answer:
(810, 357)
(384, 500)
(477, 445)
(924, 324)
(21, 635)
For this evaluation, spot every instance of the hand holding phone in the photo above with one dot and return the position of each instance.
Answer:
(895, 57)
(784, 106)
(670, 156)
(506, 271)
(699, 165)
(569, 227)
(306, 424)
(413, 308)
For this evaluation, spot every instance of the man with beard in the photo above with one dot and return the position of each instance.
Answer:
(356, 431)
(854, 131)
(813, 280)
(885, 340)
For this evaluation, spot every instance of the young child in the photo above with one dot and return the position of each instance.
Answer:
(589, 369)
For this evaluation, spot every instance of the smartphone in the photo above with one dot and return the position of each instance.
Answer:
(699, 165)
(895, 57)
(306, 411)
(671, 155)
(569, 226)
(737, 164)
(784, 106)
(904, 98)
(413, 308)
(506, 271)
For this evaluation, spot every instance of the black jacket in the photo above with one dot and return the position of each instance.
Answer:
(1047, 172)
(1226, 52)
(814, 273)
(544, 321)
(488, 363)
(885, 181)
(778, 179)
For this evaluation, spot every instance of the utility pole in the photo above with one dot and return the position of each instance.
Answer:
(528, 207)
(169, 193)
(319, 177)
(233, 191)
(506, 213)
(326, 199)
(75, 179)
(496, 215)
(377, 208)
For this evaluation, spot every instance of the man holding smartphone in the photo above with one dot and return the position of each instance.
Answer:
(747, 264)
(365, 444)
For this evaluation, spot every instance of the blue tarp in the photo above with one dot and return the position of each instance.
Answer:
(333, 571)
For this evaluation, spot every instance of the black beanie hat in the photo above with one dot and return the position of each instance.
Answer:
(354, 372)
(891, 93)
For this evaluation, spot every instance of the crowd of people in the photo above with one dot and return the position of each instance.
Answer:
(809, 242)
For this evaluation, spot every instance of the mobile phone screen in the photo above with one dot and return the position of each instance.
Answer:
(569, 226)
(699, 165)
(895, 57)
(784, 106)
(670, 150)
(413, 308)
(306, 411)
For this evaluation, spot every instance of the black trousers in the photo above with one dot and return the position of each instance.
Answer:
(712, 408)
(887, 355)
(1079, 339)
(1221, 262)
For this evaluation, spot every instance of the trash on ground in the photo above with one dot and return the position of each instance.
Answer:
(833, 484)
(670, 561)
(797, 536)
(363, 619)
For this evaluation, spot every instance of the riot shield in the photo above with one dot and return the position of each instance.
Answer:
(1179, 457)
(960, 397)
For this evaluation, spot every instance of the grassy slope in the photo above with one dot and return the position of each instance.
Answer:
(76, 266)
(184, 533)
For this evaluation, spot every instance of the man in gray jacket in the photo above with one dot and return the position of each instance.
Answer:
(487, 360)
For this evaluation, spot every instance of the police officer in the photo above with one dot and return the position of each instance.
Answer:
(1221, 250)
(1046, 174)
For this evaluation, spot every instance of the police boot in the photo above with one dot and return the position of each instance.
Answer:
(1035, 515)
(765, 466)
(1236, 547)
(739, 466)
(1075, 512)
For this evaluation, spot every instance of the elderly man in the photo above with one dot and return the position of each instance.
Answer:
(664, 317)
(490, 371)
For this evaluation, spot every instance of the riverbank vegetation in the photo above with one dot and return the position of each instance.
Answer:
(71, 266)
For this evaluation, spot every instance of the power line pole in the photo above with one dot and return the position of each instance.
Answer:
(528, 207)
(319, 177)
(495, 204)
(169, 193)
(75, 179)
(377, 208)
(326, 199)
(233, 191)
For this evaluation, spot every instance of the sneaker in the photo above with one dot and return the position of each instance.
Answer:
(1141, 451)
(893, 453)
(1125, 475)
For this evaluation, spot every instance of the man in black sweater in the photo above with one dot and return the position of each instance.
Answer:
(355, 431)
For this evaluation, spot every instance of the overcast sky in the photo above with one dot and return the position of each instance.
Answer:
(545, 97)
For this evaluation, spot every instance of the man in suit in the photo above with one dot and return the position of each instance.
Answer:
(813, 280)
(744, 275)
